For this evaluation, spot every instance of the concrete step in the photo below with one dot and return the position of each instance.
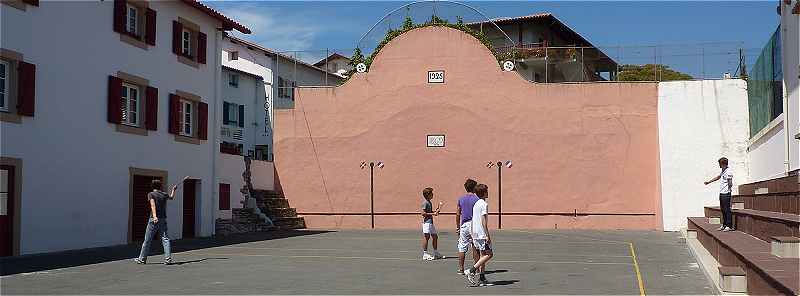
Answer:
(732, 279)
(766, 274)
(785, 246)
(761, 224)
(780, 202)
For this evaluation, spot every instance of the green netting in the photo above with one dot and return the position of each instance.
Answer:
(765, 87)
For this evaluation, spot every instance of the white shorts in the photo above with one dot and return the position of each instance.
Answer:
(429, 228)
(482, 244)
(465, 237)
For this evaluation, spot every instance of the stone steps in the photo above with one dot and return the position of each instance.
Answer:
(290, 223)
(268, 203)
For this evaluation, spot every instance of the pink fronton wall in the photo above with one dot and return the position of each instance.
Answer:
(585, 155)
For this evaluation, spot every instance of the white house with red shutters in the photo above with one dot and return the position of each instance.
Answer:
(98, 98)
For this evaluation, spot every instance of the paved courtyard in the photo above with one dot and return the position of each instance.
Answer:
(372, 262)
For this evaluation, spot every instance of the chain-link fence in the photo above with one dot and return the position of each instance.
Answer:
(765, 85)
(555, 64)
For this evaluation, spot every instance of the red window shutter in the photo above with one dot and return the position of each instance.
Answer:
(114, 100)
(150, 23)
(202, 42)
(151, 109)
(224, 196)
(32, 2)
(174, 114)
(119, 16)
(26, 98)
(202, 121)
(177, 28)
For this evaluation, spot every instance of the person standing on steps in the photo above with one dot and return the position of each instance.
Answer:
(157, 223)
(725, 185)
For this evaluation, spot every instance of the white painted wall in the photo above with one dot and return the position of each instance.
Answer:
(767, 152)
(699, 122)
(229, 171)
(75, 165)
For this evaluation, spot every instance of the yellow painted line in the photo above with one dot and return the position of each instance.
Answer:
(638, 273)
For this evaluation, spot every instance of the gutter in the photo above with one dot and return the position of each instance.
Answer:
(215, 133)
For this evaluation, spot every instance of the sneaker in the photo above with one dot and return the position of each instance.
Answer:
(168, 262)
(460, 272)
(721, 228)
(727, 229)
(470, 275)
(484, 283)
(139, 261)
(436, 255)
(427, 257)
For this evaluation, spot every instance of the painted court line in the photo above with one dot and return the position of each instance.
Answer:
(571, 236)
(498, 242)
(638, 273)
(416, 252)
(397, 259)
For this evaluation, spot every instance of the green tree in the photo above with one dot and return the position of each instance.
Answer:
(651, 72)
(408, 24)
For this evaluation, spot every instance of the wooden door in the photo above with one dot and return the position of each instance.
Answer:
(6, 210)
(189, 198)
(140, 206)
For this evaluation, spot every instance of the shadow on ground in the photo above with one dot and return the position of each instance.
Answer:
(47, 261)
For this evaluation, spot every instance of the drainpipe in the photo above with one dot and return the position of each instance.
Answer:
(217, 94)
(784, 94)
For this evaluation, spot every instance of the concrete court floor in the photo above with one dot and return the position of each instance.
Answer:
(372, 262)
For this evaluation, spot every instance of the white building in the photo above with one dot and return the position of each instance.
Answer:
(98, 99)
(335, 63)
(773, 151)
(256, 80)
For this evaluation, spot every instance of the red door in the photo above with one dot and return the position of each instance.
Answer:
(140, 205)
(6, 210)
(188, 207)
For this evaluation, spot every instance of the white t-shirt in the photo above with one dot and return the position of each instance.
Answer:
(481, 208)
(725, 178)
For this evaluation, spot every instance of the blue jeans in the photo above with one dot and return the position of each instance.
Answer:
(159, 228)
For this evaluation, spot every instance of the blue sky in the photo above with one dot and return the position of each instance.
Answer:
(695, 37)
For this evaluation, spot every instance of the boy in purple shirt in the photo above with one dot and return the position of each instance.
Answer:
(464, 223)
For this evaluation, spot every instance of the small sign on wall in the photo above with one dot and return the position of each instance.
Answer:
(436, 76)
(436, 141)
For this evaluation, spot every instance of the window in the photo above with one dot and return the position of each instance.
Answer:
(130, 104)
(233, 80)
(233, 55)
(262, 152)
(335, 67)
(4, 90)
(186, 42)
(284, 88)
(186, 118)
(132, 20)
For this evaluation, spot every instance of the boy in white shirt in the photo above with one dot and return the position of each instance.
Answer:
(480, 237)
(725, 186)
